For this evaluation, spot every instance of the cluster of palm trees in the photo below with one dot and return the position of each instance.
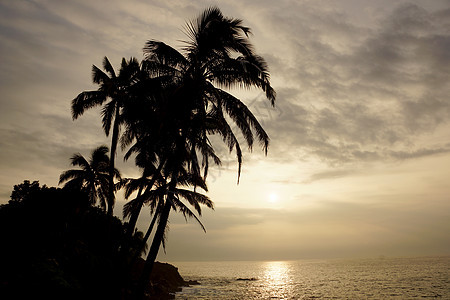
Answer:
(163, 112)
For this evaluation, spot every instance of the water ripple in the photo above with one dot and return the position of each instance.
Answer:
(390, 278)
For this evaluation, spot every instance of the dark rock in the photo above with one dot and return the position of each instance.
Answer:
(165, 280)
(247, 279)
(192, 282)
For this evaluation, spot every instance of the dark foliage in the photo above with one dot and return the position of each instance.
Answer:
(56, 246)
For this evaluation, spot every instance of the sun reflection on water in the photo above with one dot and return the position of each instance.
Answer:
(277, 280)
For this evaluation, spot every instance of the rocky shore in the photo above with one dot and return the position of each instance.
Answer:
(165, 281)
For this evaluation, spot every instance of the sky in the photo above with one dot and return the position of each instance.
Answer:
(359, 157)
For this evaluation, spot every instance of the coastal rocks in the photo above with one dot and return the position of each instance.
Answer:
(165, 278)
(165, 281)
(247, 279)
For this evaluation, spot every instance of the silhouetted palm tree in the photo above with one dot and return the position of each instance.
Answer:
(138, 244)
(155, 198)
(116, 88)
(92, 178)
(218, 55)
(169, 196)
(155, 135)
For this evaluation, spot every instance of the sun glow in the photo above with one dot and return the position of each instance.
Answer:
(277, 280)
(273, 198)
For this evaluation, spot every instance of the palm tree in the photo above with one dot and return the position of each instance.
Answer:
(218, 52)
(147, 123)
(132, 208)
(218, 55)
(166, 197)
(116, 89)
(154, 197)
(92, 178)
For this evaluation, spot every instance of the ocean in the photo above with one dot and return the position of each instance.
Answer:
(380, 278)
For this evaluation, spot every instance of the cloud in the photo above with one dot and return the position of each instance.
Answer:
(347, 92)
(352, 93)
(337, 228)
(331, 174)
(360, 85)
(419, 153)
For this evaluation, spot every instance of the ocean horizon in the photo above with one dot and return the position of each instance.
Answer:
(362, 278)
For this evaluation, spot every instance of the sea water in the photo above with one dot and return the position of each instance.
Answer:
(380, 278)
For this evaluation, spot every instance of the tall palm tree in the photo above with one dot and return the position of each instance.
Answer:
(217, 55)
(116, 89)
(148, 124)
(92, 178)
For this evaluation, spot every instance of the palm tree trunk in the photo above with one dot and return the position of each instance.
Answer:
(145, 239)
(112, 157)
(154, 249)
(129, 231)
(150, 229)
(135, 214)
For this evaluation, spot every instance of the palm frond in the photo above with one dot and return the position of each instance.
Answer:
(212, 35)
(108, 67)
(108, 112)
(129, 71)
(99, 158)
(221, 127)
(195, 198)
(75, 184)
(98, 76)
(78, 160)
(130, 208)
(132, 185)
(69, 175)
(243, 118)
(188, 213)
(164, 55)
(86, 100)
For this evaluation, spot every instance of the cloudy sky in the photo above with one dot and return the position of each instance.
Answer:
(359, 160)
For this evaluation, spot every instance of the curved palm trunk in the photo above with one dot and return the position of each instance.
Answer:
(129, 231)
(145, 239)
(112, 157)
(149, 230)
(154, 249)
(135, 215)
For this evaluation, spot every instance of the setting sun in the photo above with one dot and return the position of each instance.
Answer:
(269, 149)
(273, 198)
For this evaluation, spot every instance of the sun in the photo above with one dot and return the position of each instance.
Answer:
(273, 198)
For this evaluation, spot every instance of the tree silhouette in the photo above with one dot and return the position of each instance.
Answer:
(156, 198)
(92, 178)
(168, 108)
(54, 246)
(218, 55)
(21, 192)
(116, 89)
